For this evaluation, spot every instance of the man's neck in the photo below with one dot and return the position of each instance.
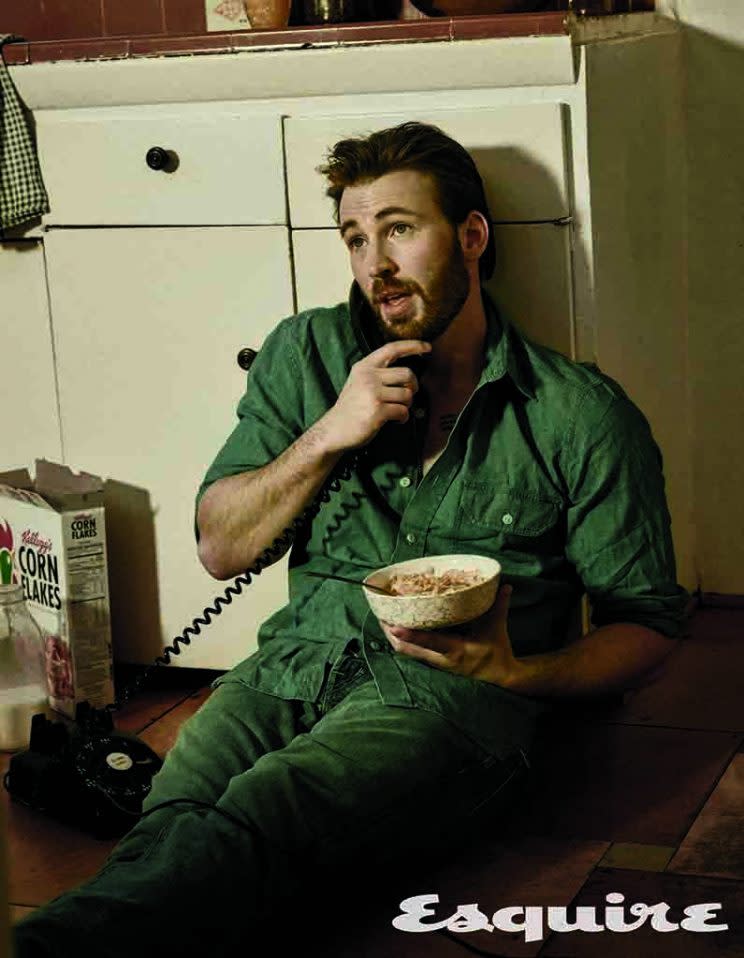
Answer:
(456, 361)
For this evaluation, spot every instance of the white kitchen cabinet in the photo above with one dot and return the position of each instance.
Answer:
(148, 324)
(30, 428)
(531, 283)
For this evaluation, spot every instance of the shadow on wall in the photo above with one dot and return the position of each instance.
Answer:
(538, 255)
(133, 573)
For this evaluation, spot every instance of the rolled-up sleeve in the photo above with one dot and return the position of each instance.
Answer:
(270, 412)
(619, 528)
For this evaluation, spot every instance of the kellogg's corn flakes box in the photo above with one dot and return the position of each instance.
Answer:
(53, 542)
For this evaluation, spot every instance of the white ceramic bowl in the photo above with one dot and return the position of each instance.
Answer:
(435, 611)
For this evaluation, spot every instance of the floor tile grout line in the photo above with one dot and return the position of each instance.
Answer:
(171, 708)
(670, 728)
(724, 878)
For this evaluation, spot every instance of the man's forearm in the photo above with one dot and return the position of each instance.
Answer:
(240, 516)
(611, 659)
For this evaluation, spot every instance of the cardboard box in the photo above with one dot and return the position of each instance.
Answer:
(53, 541)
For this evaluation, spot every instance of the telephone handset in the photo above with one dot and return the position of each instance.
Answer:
(97, 778)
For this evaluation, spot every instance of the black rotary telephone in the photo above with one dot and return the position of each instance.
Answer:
(96, 778)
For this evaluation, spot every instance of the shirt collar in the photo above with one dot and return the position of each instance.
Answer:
(504, 349)
(505, 352)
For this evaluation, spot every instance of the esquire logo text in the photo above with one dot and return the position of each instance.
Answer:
(534, 920)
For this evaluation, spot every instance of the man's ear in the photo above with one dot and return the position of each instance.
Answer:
(473, 234)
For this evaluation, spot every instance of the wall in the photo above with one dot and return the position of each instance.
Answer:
(639, 218)
(714, 49)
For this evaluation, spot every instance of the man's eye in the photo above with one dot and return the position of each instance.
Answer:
(355, 242)
(401, 226)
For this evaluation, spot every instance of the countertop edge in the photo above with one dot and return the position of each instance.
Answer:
(289, 73)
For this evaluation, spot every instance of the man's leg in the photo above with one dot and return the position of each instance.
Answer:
(376, 781)
(368, 784)
(225, 737)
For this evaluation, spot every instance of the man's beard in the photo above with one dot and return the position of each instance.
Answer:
(441, 303)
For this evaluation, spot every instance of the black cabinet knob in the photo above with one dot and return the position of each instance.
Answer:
(246, 357)
(158, 158)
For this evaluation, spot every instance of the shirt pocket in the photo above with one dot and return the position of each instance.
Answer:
(510, 520)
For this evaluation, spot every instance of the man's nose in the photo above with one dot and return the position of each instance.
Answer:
(380, 261)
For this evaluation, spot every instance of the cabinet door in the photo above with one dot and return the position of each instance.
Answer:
(148, 323)
(531, 283)
(30, 417)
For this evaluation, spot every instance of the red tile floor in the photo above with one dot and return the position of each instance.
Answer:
(642, 797)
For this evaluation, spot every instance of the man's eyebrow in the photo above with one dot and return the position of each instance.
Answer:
(380, 215)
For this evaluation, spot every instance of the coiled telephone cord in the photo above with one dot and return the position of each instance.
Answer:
(342, 471)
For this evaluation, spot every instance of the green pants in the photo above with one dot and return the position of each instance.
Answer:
(286, 798)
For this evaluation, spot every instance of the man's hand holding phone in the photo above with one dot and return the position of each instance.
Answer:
(375, 392)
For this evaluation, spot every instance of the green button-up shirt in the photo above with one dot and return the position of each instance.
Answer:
(550, 468)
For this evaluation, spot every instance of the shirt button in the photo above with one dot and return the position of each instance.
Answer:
(375, 645)
(410, 538)
(419, 413)
(405, 482)
(507, 518)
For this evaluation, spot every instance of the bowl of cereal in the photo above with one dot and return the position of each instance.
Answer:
(434, 592)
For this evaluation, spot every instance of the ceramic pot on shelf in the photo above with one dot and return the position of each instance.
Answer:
(268, 14)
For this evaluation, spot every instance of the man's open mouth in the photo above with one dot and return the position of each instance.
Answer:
(393, 297)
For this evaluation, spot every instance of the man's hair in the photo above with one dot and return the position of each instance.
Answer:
(414, 146)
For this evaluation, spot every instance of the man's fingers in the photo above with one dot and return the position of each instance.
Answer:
(421, 652)
(393, 351)
(425, 640)
(498, 611)
(500, 607)
(418, 638)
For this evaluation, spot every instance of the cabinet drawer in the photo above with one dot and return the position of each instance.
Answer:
(229, 167)
(519, 152)
(531, 284)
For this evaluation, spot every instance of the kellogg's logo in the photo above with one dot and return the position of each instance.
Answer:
(7, 573)
(39, 542)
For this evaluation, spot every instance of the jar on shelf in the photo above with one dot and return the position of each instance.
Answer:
(23, 682)
(315, 12)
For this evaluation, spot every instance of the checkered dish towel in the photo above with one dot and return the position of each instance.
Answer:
(22, 193)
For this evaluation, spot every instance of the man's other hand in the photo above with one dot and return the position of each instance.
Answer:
(480, 649)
